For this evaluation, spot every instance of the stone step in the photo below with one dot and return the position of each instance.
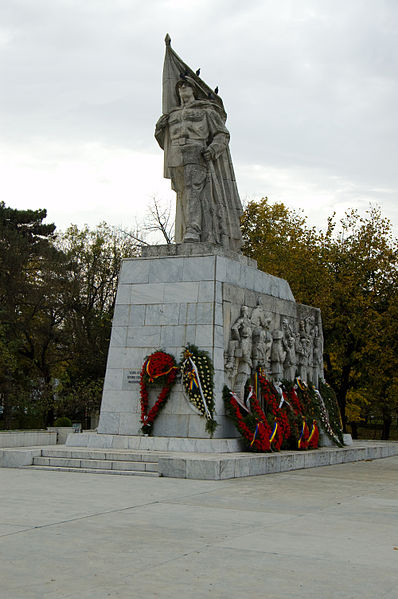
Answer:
(107, 464)
(94, 470)
(102, 454)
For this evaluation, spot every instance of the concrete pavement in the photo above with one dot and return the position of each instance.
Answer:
(329, 532)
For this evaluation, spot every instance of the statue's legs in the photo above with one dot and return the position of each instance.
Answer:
(189, 180)
(230, 359)
(195, 179)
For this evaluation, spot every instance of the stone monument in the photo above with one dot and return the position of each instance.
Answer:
(197, 160)
(200, 290)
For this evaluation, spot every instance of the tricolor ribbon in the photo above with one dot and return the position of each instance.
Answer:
(302, 434)
(300, 383)
(193, 380)
(255, 435)
(314, 427)
(152, 377)
(256, 388)
(272, 437)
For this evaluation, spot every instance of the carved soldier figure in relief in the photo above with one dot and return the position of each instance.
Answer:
(239, 364)
(278, 355)
(289, 346)
(195, 141)
(262, 338)
(304, 350)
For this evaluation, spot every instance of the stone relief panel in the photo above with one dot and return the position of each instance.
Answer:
(281, 337)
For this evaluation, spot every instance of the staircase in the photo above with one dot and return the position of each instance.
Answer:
(101, 461)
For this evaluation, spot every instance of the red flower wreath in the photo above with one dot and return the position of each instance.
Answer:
(271, 407)
(258, 439)
(158, 369)
(313, 439)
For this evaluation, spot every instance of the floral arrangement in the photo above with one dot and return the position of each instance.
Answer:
(329, 413)
(198, 382)
(159, 369)
(279, 421)
(274, 405)
(307, 398)
(313, 438)
(304, 436)
(295, 415)
(251, 421)
(303, 402)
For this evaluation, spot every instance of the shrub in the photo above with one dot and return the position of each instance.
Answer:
(63, 421)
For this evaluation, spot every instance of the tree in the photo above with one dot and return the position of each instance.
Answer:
(57, 295)
(362, 261)
(285, 246)
(89, 295)
(27, 307)
(158, 224)
(348, 271)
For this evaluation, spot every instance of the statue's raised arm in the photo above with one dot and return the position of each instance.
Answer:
(195, 140)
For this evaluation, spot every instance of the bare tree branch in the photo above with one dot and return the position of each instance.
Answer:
(159, 220)
(138, 239)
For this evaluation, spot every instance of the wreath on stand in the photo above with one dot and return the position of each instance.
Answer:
(309, 437)
(274, 405)
(330, 416)
(271, 417)
(250, 421)
(303, 411)
(158, 369)
(197, 380)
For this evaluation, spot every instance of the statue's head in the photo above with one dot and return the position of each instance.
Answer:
(244, 311)
(188, 89)
(185, 91)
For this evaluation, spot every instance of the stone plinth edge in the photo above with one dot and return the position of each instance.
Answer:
(27, 438)
(140, 442)
(216, 467)
(194, 249)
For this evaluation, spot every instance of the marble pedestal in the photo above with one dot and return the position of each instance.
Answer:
(171, 296)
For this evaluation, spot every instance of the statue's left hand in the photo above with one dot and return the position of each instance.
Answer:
(209, 154)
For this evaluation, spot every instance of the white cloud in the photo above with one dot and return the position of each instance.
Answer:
(80, 184)
(311, 90)
(318, 194)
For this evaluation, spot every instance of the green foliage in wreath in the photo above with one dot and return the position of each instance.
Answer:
(252, 426)
(198, 382)
(332, 406)
(295, 414)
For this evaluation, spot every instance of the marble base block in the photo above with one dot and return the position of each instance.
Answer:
(172, 296)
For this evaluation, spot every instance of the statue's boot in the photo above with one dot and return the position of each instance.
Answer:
(191, 237)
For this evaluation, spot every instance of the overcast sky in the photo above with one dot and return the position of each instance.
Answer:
(310, 88)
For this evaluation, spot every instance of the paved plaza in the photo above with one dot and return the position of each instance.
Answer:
(329, 532)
